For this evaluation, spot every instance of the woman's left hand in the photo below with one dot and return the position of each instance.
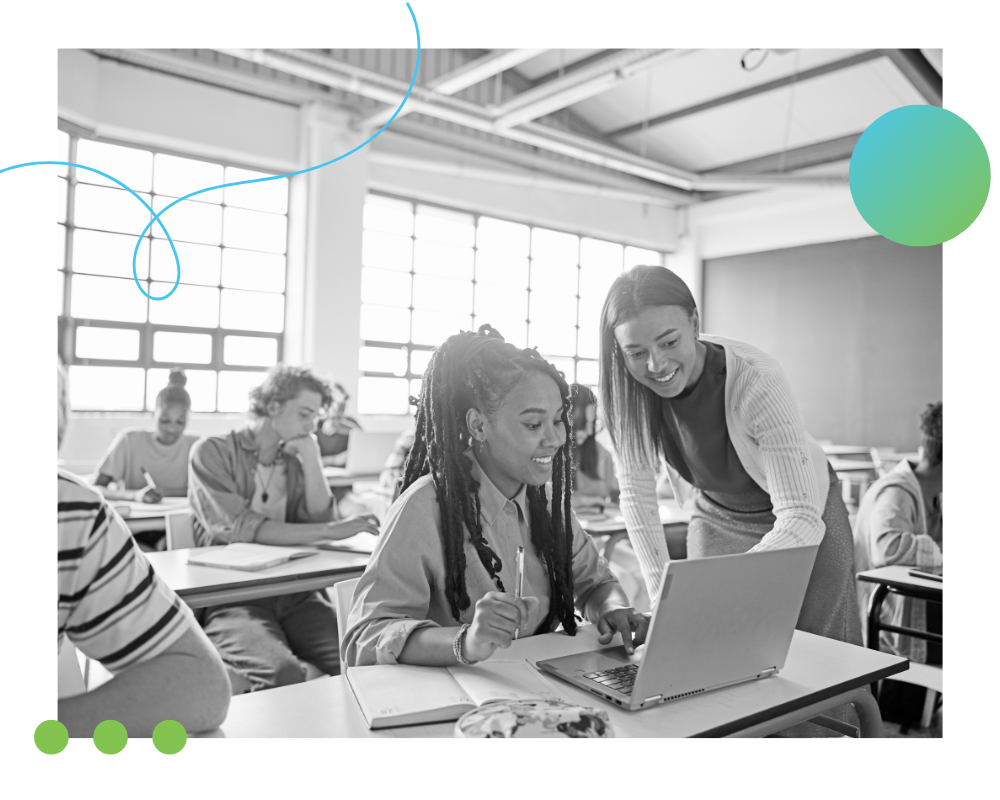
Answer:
(628, 622)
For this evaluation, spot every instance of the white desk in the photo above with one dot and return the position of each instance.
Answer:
(143, 517)
(847, 450)
(208, 586)
(820, 674)
(340, 477)
(612, 524)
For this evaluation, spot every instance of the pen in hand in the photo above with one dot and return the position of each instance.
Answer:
(519, 583)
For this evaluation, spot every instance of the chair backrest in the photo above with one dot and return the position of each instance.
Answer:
(344, 593)
(70, 675)
(180, 531)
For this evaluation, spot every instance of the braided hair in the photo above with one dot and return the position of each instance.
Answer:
(932, 428)
(453, 383)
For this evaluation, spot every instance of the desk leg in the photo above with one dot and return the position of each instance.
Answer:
(860, 698)
(875, 622)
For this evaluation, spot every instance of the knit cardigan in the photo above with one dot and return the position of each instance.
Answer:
(767, 433)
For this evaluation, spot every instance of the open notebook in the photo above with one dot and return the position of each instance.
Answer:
(395, 694)
(247, 556)
(359, 543)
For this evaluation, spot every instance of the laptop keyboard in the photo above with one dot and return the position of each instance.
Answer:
(620, 679)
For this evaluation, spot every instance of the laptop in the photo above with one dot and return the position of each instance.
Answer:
(719, 621)
(366, 454)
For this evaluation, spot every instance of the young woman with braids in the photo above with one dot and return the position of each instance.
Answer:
(488, 471)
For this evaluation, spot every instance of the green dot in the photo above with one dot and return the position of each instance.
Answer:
(110, 737)
(51, 737)
(169, 737)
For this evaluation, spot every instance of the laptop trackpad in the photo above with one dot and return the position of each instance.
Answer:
(595, 660)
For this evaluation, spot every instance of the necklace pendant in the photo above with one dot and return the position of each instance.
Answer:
(264, 497)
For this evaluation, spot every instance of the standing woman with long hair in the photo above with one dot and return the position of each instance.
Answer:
(722, 414)
(488, 472)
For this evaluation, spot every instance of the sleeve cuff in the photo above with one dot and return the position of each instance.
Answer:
(393, 638)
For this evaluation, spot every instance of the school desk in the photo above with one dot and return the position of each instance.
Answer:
(847, 450)
(612, 524)
(897, 580)
(820, 674)
(341, 478)
(208, 586)
(144, 517)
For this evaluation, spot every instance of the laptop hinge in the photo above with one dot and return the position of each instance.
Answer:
(654, 699)
(767, 673)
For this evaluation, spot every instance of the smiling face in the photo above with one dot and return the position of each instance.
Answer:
(171, 420)
(295, 417)
(661, 349)
(523, 436)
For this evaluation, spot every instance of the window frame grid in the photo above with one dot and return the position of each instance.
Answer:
(409, 346)
(68, 324)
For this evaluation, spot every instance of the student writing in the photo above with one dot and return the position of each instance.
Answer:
(264, 483)
(162, 452)
(488, 472)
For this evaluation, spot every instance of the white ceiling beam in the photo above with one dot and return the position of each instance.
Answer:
(475, 71)
(578, 85)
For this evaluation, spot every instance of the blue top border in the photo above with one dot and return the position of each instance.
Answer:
(500, 25)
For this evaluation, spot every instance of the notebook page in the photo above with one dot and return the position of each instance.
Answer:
(504, 679)
(397, 690)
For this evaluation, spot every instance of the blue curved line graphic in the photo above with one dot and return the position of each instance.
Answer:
(156, 216)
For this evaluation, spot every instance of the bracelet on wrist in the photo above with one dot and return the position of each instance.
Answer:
(456, 646)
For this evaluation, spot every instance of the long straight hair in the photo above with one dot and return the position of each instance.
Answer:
(631, 410)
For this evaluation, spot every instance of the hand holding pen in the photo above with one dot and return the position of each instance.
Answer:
(150, 494)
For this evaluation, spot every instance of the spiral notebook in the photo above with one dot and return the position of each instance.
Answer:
(391, 695)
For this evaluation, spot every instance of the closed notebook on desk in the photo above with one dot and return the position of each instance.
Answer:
(359, 543)
(391, 695)
(247, 556)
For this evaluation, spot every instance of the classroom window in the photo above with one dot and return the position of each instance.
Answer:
(429, 271)
(225, 321)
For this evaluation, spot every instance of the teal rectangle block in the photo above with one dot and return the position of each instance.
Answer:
(28, 455)
(28, 399)
(28, 77)
(27, 271)
(27, 198)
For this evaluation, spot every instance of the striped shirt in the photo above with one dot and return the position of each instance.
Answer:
(112, 605)
(770, 439)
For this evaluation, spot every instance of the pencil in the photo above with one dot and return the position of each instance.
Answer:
(149, 478)
(519, 583)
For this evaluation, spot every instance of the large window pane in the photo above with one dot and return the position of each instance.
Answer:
(383, 359)
(61, 288)
(199, 262)
(551, 338)
(499, 236)
(62, 152)
(501, 270)
(388, 215)
(636, 255)
(600, 254)
(255, 230)
(556, 308)
(445, 260)
(131, 166)
(596, 280)
(246, 269)
(588, 344)
(501, 301)
(385, 323)
(565, 366)
(385, 287)
(514, 331)
(271, 196)
(253, 311)
(189, 221)
(106, 388)
(387, 251)
(555, 247)
(191, 306)
(383, 395)
(419, 359)
(441, 225)
(182, 348)
(250, 351)
(554, 278)
(63, 193)
(109, 210)
(178, 177)
(415, 386)
(118, 343)
(200, 385)
(441, 294)
(107, 298)
(99, 253)
(587, 372)
(234, 389)
(61, 244)
(433, 327)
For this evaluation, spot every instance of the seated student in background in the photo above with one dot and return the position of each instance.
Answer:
(116, 610)
(265, 484)
(335, 430)
(163, 452)
(900, 522)
(393, 469)
(491, 434)
(594, 479)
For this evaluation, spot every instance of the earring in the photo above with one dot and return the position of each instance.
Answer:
(482, 443)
